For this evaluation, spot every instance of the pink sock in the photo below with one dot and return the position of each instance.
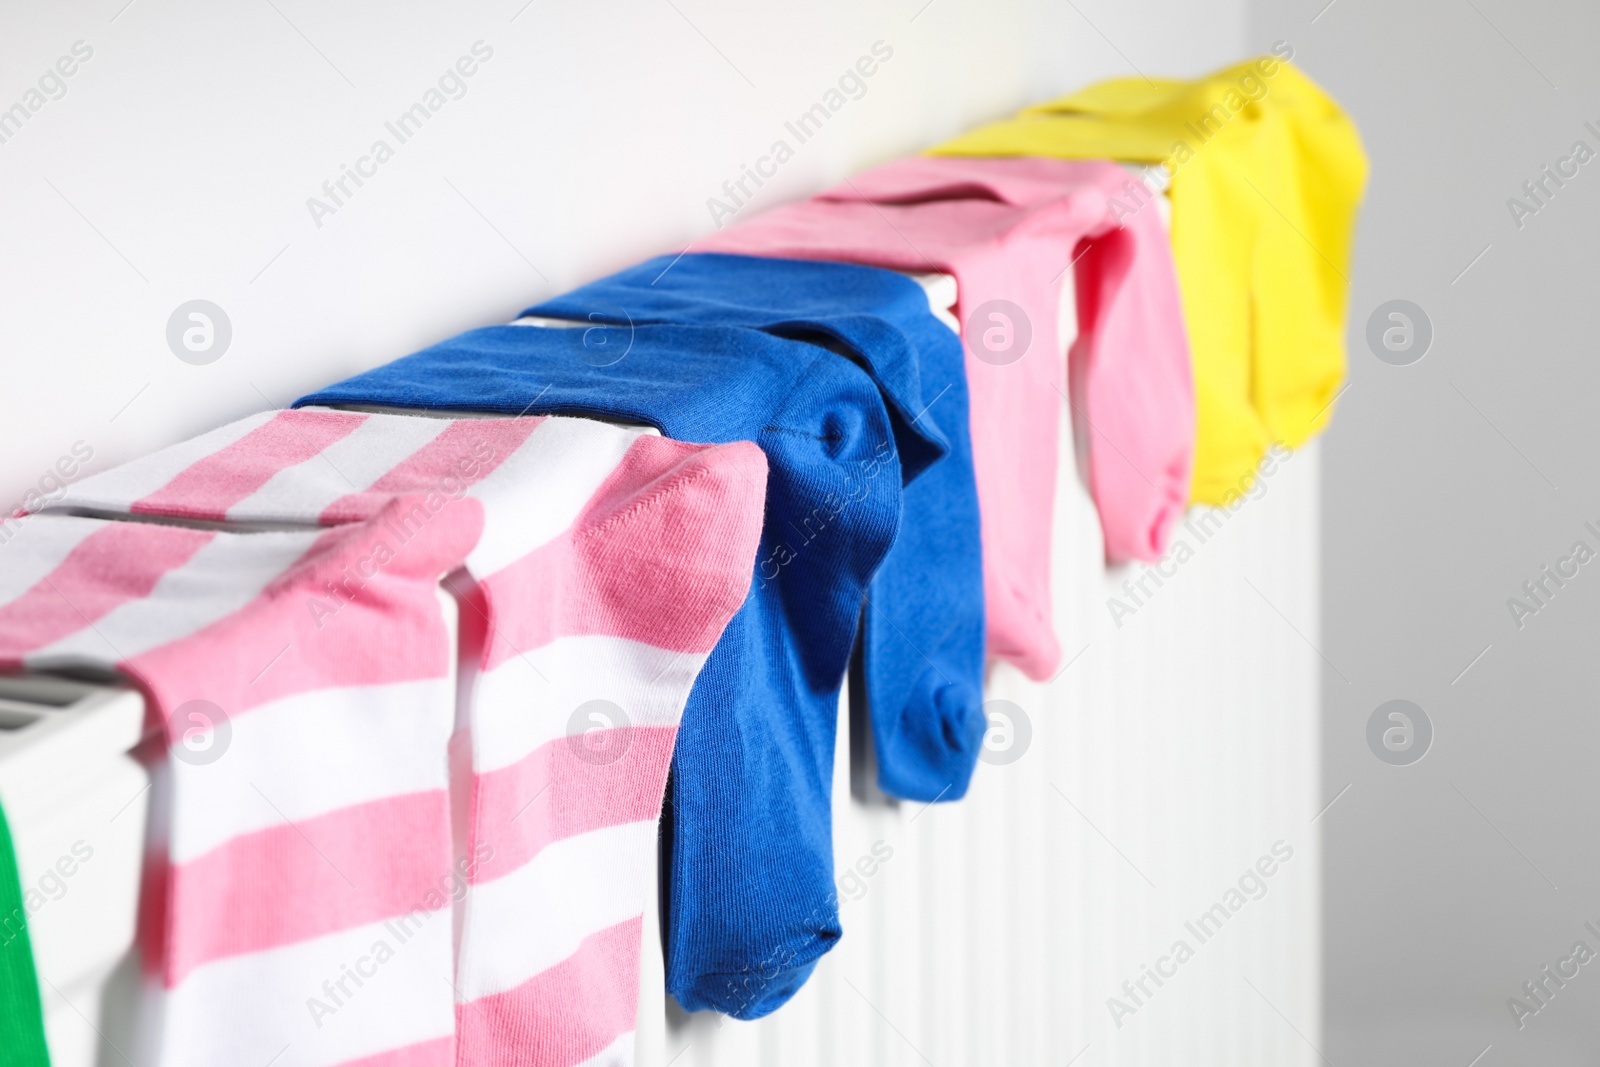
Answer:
(301, 796)
(608, 564)
(1010, 231)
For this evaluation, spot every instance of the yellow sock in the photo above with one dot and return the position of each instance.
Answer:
(1266, 172)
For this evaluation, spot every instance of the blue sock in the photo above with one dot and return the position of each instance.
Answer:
(924, 624)
(752, 904)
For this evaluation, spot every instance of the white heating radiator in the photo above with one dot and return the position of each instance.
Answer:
(1175, 752)
(1166, 760)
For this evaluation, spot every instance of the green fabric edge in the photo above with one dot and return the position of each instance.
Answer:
(22, 1042)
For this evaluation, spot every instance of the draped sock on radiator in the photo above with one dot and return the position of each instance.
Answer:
(1266, 173)
(924, 616)
(301, 798)
(751, 902)
(22, 1041)
(609, 562)
(1013, 232)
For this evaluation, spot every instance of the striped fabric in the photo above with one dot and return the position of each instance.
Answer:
(326, 811)
(595, 568)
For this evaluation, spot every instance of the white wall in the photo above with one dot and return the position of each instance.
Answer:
(178, 164)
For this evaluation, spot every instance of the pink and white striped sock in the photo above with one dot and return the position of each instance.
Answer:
(609, 563)
(299, 770)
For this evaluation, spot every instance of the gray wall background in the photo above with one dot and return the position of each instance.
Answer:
(1449, 483)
